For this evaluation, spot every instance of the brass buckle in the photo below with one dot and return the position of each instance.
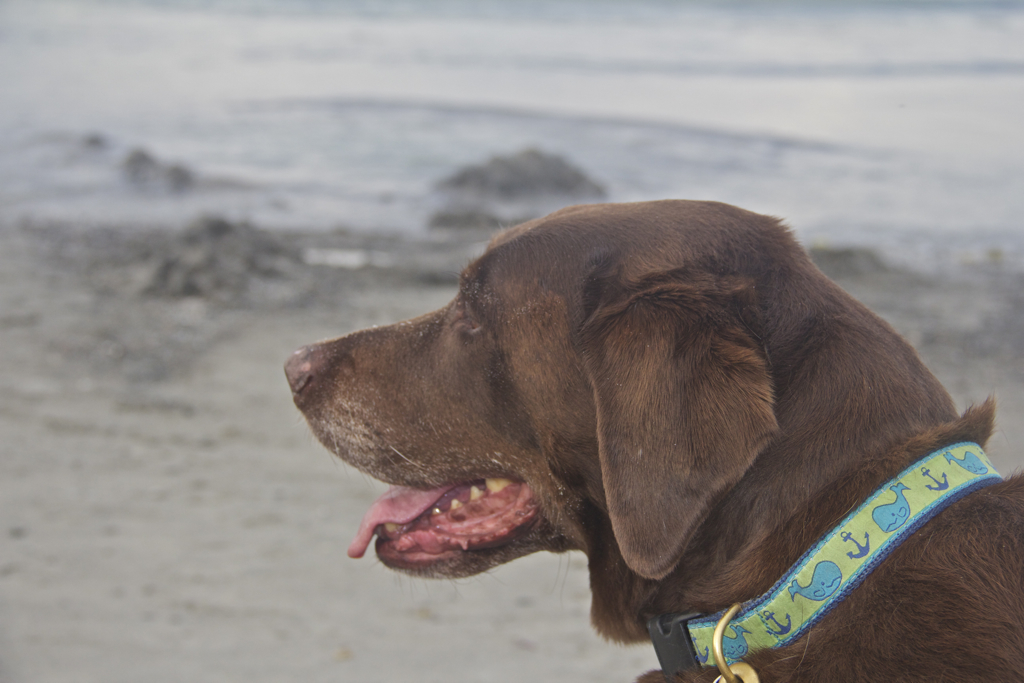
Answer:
(740, 672)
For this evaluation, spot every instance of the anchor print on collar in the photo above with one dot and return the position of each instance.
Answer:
(971, 462)
(780, 629)
(892, 516)
(862, 550)
(939, 485)
(736, 646)
(703, 658)
(824, 582)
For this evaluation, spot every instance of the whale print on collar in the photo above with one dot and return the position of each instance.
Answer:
(894, 515)
(824, 582)
(969, 462)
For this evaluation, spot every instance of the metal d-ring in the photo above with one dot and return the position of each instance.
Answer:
(740, 672)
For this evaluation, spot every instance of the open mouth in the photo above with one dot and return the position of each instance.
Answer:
(416, 527)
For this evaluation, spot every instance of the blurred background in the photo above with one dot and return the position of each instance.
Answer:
(894, 122)
(191, 189)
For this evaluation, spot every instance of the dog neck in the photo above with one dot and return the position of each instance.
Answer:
(833, 567)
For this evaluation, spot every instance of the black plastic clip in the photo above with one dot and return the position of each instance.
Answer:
(672, 643)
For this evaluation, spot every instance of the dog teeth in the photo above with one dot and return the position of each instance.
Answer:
(436, 511)
(391, 527)
(456, 504)
(496, 485)
(475, 493)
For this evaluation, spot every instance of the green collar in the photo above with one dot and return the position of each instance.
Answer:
(836, 565)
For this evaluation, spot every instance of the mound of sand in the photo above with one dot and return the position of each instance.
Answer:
(527, 174)
(506, 190)
(144, 171)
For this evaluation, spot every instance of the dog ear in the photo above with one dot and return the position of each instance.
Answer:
(684, 404)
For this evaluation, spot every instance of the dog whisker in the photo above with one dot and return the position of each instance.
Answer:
(414, 464)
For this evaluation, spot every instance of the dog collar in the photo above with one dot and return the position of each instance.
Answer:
(833, 568)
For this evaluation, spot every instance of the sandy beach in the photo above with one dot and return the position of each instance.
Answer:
(166, 515)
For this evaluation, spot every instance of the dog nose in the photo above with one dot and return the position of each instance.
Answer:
(302, 367)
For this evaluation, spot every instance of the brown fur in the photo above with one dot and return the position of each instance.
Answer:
(694, 404)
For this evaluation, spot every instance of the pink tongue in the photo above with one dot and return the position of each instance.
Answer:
(399, 505)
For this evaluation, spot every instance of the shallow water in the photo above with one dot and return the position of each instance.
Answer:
(896, 125)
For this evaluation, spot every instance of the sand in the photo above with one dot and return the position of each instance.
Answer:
(166, 516)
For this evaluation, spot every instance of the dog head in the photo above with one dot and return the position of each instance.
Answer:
(598, 383)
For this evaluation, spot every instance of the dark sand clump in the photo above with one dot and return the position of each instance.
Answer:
(527, 174)
(144, 171)
(506, 190)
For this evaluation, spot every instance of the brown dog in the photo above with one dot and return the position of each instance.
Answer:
(675, 390)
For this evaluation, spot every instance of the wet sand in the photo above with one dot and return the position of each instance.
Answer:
(166, 516)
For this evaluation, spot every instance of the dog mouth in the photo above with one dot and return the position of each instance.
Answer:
(416, 528)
